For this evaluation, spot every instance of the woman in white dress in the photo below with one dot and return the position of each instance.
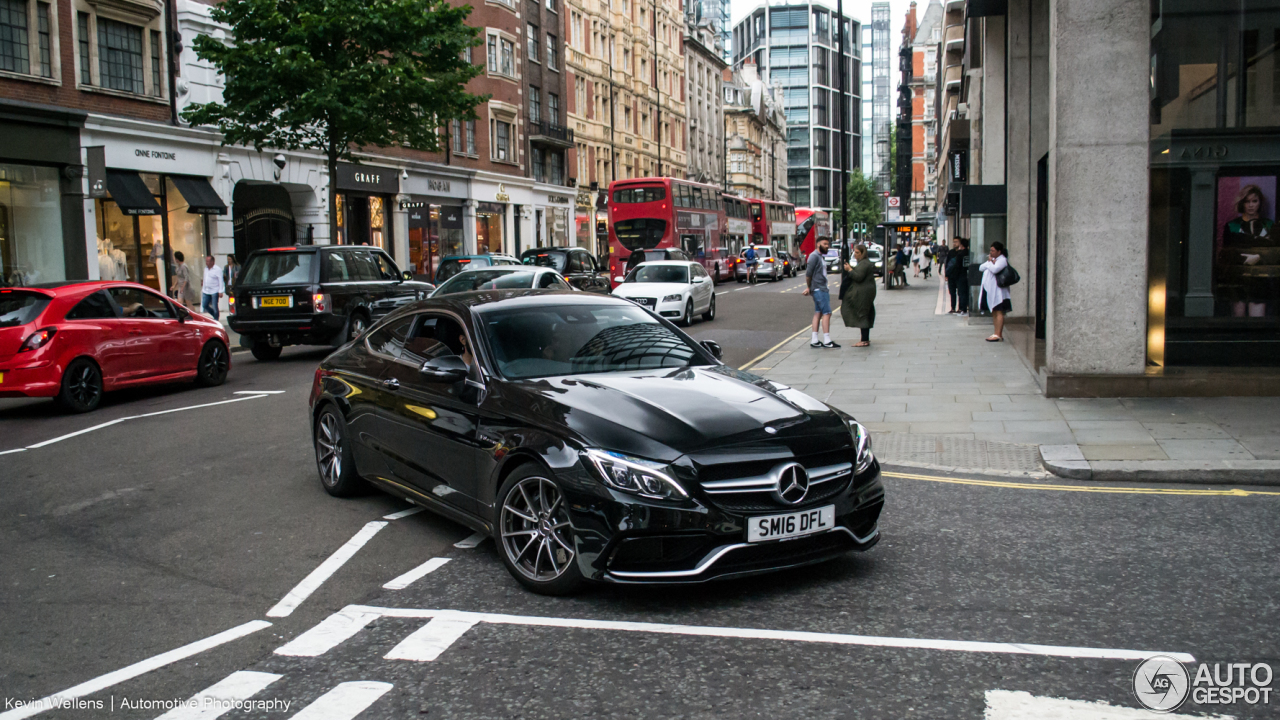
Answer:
(993, 298)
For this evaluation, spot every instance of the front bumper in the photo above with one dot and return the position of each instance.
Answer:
(672, 309)
(624, 539)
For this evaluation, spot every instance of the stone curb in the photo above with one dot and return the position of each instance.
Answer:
(966, 470)
(1067, 461)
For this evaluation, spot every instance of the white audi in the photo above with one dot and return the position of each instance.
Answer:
(674, 289)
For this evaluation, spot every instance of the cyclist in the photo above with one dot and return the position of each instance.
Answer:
(752, 263)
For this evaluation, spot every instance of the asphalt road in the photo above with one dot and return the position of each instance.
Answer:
(140, 537)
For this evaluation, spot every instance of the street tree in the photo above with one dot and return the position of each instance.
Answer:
(862, 201)
(339, 75)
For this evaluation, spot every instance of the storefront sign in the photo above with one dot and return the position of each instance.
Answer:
(155, 154)
(584, 198)
(558, 199)
(438, 185)
(502, 195)
(97, 169)
(368, 178)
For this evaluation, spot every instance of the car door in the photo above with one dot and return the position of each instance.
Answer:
(111, 337)
(429, 429)
(702, 286)
(595, 278)
(157, 343)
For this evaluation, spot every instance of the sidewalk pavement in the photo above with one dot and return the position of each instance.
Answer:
(935, 395)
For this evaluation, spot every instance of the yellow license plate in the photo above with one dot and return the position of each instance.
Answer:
(274, 301)
(1, 378)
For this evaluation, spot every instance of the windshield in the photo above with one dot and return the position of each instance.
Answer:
(761, 252)
(495, 279)
(659, 274)
(20, 308)
(577, 339)
(278, 268)
(545, 259)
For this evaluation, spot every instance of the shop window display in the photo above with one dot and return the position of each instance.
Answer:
(435, 232)
(489, 218)
(31, 248)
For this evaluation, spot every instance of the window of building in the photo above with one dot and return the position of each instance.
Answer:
(502, 132)
(551, 5)
(580, 93)
(535, 105)
(552, 52)
(531, 43)
(501, 55)
(557, 168)
(120, 56)
(82, 28)
(553, 108)
(458, 138)
(27, 38)
(501, 140)
(155, 62)
(471, 138)
(539, 166)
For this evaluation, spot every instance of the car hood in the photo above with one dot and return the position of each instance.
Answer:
(658, 290)
(663, 414)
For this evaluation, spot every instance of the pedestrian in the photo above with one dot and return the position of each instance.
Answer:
(902, 258)
(858, 294)
(993, 298)
(917, 255)
(230, 271)
(211, 288)
(926, 260)
(957, 274)
(181, 288)
(815, 278)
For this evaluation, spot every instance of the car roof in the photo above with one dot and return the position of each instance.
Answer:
(73, 287)
(507, 269)
(513, 299)
(473, 257)
(681, 263)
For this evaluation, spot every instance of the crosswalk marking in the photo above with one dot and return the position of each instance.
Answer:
(416, 574)
(470, 541)
(344, 702)
(221, 697)
(1007, 705)
(331, 632)
(426, 644)
(312, 582)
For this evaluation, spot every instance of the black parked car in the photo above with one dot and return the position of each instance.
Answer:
(315, 295)
(642, 256)
(577, 266)
(593, 440)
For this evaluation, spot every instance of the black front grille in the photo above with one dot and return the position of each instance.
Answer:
(767, 556)
(660, 552)
(765, 502)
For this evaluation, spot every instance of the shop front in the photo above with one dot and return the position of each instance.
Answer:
(366, 196)
(41, 195)
(431, 206)
(490, 226)
(1214, 253)
(152, 204)
(553, 211)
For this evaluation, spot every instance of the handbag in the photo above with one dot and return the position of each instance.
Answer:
(1007, 277)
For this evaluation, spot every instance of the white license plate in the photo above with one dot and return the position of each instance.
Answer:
(777, 527)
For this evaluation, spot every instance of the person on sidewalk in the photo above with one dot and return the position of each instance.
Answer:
(211, 289)
(993, 298)
(926, 260)
(901, 259)
(181, 289)
(230, 271)
(815, 278)
(957, 272)
(858, 294)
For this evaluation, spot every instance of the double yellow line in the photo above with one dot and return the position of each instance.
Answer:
(1232, 492)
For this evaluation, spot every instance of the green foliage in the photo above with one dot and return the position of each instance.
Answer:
(863, 203)
(331, 75)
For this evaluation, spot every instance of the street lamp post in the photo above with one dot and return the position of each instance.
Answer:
(844, 150)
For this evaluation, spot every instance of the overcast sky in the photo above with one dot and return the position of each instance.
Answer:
(858, 9)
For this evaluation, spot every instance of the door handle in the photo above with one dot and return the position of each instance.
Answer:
(135, 332)
(391, 383)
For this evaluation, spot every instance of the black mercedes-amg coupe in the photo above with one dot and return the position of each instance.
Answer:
(593, 440)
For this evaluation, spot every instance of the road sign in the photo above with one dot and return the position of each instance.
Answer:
(894, 201)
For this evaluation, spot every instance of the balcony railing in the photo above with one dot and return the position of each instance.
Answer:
(549, 131)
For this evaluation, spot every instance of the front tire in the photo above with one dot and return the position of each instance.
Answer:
(81, 386)
(535, 539)
(710, 314)
(687, 319)
(334, 458)
(215, 361)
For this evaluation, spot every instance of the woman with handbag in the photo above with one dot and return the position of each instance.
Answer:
(994, 296)
(858, 294)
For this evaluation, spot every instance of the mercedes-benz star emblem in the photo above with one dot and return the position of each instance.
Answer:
(793, 484)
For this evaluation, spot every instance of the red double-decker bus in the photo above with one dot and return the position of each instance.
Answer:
(811, 224)
(773, 223)
(657, 213)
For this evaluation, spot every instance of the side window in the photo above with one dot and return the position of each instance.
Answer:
(390, 339)
(135, 303)
(363, 267)
(386, 268)
(432, 337)
(548, 280)
(575, 263)
(94, 307)
(336, 268)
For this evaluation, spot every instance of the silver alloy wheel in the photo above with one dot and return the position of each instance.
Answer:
(356, 326)
(329, 449)
(535, 529)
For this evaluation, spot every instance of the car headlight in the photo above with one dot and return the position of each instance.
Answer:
(677, 297)
(636, 476)
(861, 441)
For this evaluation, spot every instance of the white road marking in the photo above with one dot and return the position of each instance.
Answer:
(471, 541)
(787, 635)
(139, 668)
(331, 632)
(426, 643)
(1007, 705)
(416, 574)
(258, 392)
(109, 423)
(403, 513)
(327, 568)
(220, 698)
(344, 701)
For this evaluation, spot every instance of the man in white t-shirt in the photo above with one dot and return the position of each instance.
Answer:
(212, 288)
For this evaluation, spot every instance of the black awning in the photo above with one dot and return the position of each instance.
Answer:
(130, 193)
(201, 198)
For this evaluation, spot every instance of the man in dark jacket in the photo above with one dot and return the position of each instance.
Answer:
(957, 270)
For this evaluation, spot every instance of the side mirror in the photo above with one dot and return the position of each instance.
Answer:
(714, 348)
(183, 314)
(619, 279)
(406, 275)
(447, 368)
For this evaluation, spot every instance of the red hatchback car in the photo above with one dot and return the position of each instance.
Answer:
(75, 341)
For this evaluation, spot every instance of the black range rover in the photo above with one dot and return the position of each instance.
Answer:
(317, 295)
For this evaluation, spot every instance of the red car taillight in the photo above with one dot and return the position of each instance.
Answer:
(320, 302)
(316, 385)
(231, 304)
(38, 339)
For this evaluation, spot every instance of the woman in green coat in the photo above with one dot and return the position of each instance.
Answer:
(858, 294)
